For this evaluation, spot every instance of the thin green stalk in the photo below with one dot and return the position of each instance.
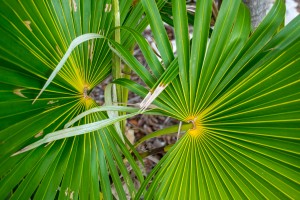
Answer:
(116, 68)
(119, 93)
(126, 74)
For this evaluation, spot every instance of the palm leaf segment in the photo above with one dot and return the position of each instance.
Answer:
(34, 37)
(240, 92)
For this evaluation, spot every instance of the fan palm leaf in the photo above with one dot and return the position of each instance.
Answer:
(239, 90)
(34, 38)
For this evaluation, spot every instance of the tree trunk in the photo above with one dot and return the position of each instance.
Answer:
(258, 10)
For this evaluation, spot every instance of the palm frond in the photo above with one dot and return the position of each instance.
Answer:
(34, 38)
(240, 92)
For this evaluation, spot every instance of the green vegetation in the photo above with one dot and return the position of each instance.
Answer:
(236, 91)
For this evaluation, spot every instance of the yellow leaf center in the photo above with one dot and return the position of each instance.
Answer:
(86, 99)
(197, 129)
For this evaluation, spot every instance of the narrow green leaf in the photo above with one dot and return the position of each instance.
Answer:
(74, 131)
(47, 189)
(199, 42)
(161, 84)
(228, 12)
(158, 31)
(261, 36)
(131, 61)
(147, 51)
(182, 43)
(100, 109)
(238, 37)
(112, 166)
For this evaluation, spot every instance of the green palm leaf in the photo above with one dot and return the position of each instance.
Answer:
(241, 92)
(34, 38)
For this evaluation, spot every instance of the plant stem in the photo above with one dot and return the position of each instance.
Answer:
(120, 94)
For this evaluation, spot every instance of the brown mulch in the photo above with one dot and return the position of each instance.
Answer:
(141, 125)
